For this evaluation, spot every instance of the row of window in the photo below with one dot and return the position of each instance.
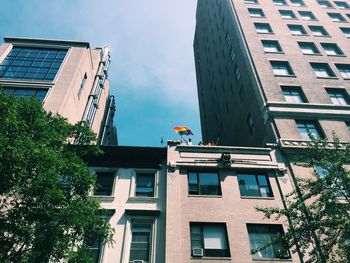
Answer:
(32, 63)
(145, 184)
(307, 48)
(322, 3)
(321, 70)
(207, 240)
(211, 240)
(305, 15)
(295, 94)
(208, 183)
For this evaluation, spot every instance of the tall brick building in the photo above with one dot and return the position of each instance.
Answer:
(272, 71)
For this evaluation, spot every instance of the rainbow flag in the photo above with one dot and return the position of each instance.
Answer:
(183, 130)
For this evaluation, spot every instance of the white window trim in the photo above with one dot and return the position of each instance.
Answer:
(128, 236)
(95, 170)
(132, 190)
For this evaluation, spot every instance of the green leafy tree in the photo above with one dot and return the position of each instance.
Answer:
(45, 212)
(318, 210)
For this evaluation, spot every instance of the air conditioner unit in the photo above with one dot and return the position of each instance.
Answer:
(138, 261)
(197, 252)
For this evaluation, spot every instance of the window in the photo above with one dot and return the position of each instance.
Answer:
(342, 4)
(256, 12)
(237, 73)
(293, 94)
(279, 2)
(348, 125)
(287, 14)
(297, 30)
(336, 17)
(346, 31)
(281, 68)
(322, 70)
(318, 31)
(325, 4)
(104, 183)
(250, 124)
(250, 1)
(308, 48)
(297, 2)
(95, 248)
(204, 183)
(332, 49)
(145, 184)
(344, 70)
(242, 93)
(259, 235)
(263, 28)
(307, 15)
(32, 63)
(338, 96)
(254, 185)
(271, 46)
(209, 239)
(306, 127)
(25, 92)
(82, 85)
(141, 240)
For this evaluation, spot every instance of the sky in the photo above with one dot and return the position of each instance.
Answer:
(152, 72)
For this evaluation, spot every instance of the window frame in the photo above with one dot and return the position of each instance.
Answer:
(277, 45)
(336, 17)
(295, 89)
(342, 7)
(270, 229)
(133, 184)
(288, 68)
(138, 174)
(322, 30)
(302, 45)
(344, 70)
(283, 13)
(266, 26)
(113, 173)
(316, 66)
(258, 185)
(306, 130)
(255, 12)
(222, 253)
(338, 52)
(311, 16)
(337, 95)
(199, 191)
(300, 28)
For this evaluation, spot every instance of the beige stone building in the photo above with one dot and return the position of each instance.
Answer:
(68, 76)
(133, 188)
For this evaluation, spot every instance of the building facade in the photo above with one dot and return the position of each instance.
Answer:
(212, 195)
(272, 71)
(69, 77)
(132, 184)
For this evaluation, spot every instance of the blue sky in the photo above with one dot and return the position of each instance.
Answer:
(152, 72)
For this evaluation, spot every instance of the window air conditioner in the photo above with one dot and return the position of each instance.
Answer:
(197, 252)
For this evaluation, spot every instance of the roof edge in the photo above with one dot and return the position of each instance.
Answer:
(43, 41)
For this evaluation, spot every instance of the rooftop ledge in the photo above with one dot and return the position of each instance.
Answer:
(43, 41)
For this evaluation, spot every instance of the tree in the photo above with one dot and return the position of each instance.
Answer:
(318, 209)
(45, 212)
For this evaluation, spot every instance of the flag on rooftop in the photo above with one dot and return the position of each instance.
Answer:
(183, 130)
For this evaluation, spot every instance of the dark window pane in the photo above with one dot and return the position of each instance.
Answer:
(254, 185)
(145, 184)
(104, 181)
(31, 60)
